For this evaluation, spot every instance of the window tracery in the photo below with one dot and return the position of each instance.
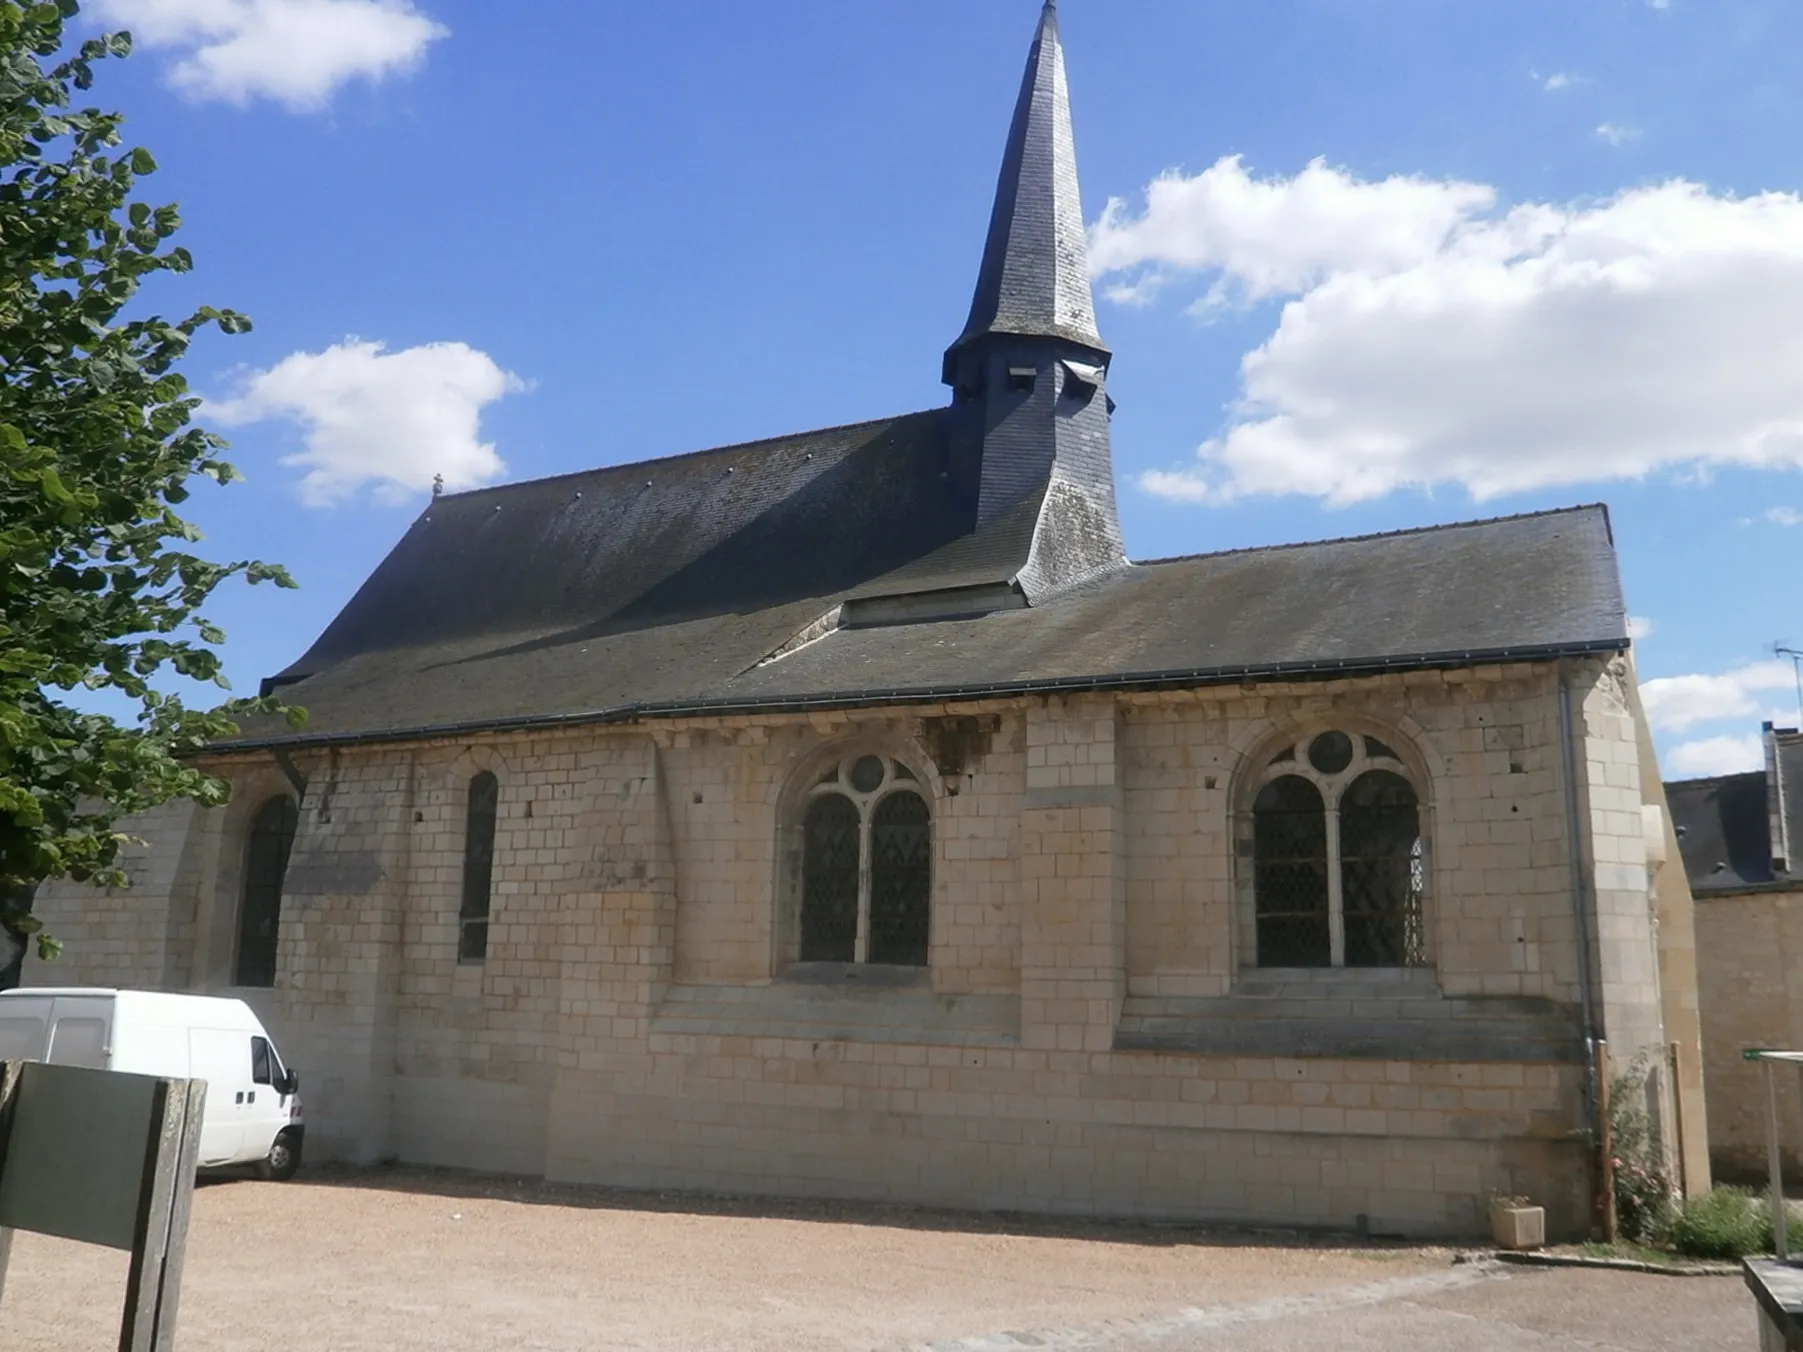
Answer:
(866, 869)
(1339, 866)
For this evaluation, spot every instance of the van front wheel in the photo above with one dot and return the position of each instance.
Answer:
(283, 1159)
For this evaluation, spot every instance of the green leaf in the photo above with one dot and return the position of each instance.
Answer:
(54, 488)
(101, 585)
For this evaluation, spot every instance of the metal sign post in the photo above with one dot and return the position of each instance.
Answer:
(1774, 1164)
(104, 1158)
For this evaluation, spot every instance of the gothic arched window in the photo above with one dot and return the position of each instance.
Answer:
(260, 907)
(1339, 871)
(866, 865)
(478, 867)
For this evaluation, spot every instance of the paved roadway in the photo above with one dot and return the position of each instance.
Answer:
(1479, 1307)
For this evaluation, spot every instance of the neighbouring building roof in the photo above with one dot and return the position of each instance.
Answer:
(1740, 833)
(964, 550)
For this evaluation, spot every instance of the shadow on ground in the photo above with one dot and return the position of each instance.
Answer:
(457, 1183)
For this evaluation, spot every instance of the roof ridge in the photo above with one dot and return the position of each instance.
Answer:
(1713, 779)
(1573, 510)
(682, 455)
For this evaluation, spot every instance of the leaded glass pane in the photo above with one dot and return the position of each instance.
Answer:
(829, 881)
(901, 880)
(1377, 750)
(478, 867)
(1330, 753)
(867, 774)
(260, 908)
(1289, 849)
(1382, 874)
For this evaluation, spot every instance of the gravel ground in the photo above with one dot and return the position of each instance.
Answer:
(417, 1259)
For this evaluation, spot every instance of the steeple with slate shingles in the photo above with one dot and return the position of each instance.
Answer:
(1035, 276)
(1030, 412)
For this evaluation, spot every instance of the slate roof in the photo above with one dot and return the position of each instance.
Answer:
(461, 628)
(752, 577)
(1723, 833)
(1741, 833)
(1034, 279)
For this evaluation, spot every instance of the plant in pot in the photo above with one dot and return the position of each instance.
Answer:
(1516, 1223)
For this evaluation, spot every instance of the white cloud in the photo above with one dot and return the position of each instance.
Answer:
(1639, 627)
(1429, 338)
(1558, 80)
(1617, 135)
(1784, 516)
(1674, 703)
(297, 52)
(369, 416)
(1716, 756)
(1282, 235)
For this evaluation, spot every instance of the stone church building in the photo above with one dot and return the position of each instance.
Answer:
(845, 815)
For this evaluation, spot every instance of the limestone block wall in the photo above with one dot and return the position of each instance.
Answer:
(1614, 797)
(1750, 973)
(1485, 752)
(1413, 1148)
(1679, 992)
(631, 1022)
(134, 936)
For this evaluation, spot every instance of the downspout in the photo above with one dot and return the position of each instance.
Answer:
(1580, 911)
(291, 772)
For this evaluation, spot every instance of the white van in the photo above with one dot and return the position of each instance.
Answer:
(253, 1113)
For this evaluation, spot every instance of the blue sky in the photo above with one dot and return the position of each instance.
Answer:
(1364, 264)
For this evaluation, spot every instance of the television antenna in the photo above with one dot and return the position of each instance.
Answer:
(1782, 649)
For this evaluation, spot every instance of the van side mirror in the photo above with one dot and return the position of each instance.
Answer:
(291, 1084)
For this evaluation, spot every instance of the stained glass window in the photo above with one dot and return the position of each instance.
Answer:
(260, 909)
(1339, 858)
(867, 866)
(478, 867)
(1290, 854)
(901, 875)
(1381, 882)
(829, 899)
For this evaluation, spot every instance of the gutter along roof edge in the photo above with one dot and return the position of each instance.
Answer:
(773, 704)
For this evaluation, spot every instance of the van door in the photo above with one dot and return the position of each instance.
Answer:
(266, 1113)
(78, 1032)
(23, 1028)
(221, 1057)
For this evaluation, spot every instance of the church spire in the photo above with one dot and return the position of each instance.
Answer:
(1027, 434)
(1034, 280)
